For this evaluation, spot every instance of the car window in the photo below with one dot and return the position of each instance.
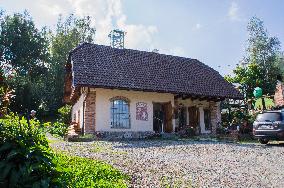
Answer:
(269, 116)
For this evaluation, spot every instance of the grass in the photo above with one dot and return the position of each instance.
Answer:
(169, 182)
(83, 138)
(248, 141)
(84, 172)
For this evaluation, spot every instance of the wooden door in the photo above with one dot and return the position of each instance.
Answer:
(168, 117)
(193, 113)
(158, 117)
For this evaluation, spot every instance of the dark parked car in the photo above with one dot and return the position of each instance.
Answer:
(269, 125)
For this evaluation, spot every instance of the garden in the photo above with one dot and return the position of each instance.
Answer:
(27, 160)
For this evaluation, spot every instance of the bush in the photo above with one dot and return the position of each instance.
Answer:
(58, 128)
(25, 157)
(26, 160)
(82, 172)
(187, 132)
(65, 114)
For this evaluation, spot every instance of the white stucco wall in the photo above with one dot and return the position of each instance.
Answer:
(103, 105)
(75, 109)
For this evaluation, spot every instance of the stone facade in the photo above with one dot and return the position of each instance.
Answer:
(109, 135)
(214, 116)
(90, 112)
(279, 97)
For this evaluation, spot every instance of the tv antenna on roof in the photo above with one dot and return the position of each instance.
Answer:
(116, 37)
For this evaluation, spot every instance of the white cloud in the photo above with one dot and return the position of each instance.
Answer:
(197, 26)
(233, 12)
(51, 8)
(108, 15)
(176, 51)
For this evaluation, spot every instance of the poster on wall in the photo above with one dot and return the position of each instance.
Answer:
(141, 111)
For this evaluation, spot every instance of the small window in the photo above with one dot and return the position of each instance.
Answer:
(120, 115)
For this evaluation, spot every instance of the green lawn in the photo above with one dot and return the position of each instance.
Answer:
(83, 172)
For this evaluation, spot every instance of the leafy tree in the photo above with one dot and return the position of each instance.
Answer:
(24, 52)
(261, 64)
(69, 34)
(248, 77)
(36, 58)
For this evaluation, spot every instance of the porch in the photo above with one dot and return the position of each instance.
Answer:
(201, 114)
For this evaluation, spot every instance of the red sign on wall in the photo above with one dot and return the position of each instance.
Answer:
(141, 111)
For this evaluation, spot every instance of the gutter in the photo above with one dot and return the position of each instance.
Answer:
(84, 104)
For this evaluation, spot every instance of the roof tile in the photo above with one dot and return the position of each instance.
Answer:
(103, 66)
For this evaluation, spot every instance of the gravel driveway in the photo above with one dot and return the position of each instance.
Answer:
(185, 163)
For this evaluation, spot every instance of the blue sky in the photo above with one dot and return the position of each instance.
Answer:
(212, 31)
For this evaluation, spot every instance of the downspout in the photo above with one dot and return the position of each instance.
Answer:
(84, 105)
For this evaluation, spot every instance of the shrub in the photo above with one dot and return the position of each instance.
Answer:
(26, 160)
(65, 114)
(187, 132)
(82, 172)
(58, 128)
(25, 156)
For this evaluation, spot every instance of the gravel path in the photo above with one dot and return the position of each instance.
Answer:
(184, 163)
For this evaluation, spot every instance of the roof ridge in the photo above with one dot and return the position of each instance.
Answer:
(126, 49)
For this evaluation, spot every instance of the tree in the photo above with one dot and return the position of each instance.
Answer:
(36, 58)
(260, 66)
(69, 34)
(24, 52)
(248, 77)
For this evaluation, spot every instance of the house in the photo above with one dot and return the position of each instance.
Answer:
(279, 94)
(131, 93)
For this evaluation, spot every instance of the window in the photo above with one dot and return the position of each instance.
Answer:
(120, 117)
(78, 117)
(269, 117)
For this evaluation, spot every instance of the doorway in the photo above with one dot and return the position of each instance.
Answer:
(193, 114)
(162, 117)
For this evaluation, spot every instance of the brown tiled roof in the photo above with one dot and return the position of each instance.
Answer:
(107, 67)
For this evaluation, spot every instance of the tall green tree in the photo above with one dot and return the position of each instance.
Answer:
(69, 33)
(23, 52)
(260, 66)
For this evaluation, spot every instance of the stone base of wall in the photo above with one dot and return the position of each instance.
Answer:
(124, 135)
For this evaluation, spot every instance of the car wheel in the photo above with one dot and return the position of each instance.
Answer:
(263, 141)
